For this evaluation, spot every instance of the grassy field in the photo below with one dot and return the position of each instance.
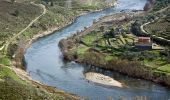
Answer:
(122, 47)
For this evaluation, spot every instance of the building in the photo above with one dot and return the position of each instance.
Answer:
(143, 43)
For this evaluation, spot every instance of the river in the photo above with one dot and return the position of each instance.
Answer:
(44, 62)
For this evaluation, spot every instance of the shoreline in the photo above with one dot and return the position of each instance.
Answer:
(52, 30)
(134, 69)
(24, 75)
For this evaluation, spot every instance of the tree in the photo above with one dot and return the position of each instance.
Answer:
(112, 32)
(136, 28)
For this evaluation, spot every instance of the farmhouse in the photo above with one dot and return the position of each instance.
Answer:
(144, 43)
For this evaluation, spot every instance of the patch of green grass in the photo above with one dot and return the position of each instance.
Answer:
(82, 49)
(7, 72)
(89, 39)
(128, 40)
(102, 42)
(165, 68)
(159, 72)
(5, 61)
(122, 39)
(156, 62)
(109, 58)
(12, 90)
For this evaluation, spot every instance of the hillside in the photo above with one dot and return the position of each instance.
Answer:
(20, 21)
(14, 17)
(116, 45)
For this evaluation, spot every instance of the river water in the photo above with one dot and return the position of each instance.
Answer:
(45, 63)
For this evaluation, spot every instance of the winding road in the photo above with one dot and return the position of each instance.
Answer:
(143, 25)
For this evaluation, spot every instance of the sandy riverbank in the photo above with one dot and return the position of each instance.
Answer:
(102, 79)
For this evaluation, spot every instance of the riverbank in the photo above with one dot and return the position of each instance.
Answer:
(51, 30)
(90, 49)
(22, 87)
(51, 92)
(25, 76)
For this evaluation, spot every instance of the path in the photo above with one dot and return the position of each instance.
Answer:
(13, 38)
(143, 25)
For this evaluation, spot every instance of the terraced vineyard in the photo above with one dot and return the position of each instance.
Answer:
(122, 47)
(159, 28)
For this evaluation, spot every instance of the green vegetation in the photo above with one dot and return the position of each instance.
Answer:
(5, 61)
(13, 88)
(113, 45)
(7, 72)
(165, 68)
(15, 15)
(109, 58)
(89, 39)
(161, 26)
(160, 4)
(155, 24)
(82, 49)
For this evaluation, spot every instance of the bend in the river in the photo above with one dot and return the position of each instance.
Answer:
(45, 63)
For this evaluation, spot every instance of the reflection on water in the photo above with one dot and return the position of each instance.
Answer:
(45, 64)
